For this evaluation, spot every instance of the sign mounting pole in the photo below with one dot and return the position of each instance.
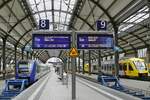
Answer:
(73, 69)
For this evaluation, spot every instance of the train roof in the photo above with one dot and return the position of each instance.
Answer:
(134, 59)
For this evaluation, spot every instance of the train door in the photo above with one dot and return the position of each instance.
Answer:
(130, 70)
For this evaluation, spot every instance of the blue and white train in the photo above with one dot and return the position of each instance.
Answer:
(31, 70)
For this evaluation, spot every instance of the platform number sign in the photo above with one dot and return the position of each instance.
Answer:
(44, 24)
(101, 25)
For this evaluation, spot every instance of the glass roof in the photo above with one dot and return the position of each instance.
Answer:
(136, 18)
(43, 10)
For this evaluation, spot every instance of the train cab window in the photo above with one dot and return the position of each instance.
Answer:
(130, 67)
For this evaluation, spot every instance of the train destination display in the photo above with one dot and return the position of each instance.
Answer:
(95, 41)
(51, 41)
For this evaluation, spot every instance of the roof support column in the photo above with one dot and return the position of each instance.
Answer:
(69, 64)
(148, 55)
(32, 55)
(65, 64)
(0, 64)
(116, 52)
(89, 62)
(4, 56)
(99, 63)
(27, 55)
(83, 62)
(22, 53)
(53, 14)
(136, 54)
(76, 64)
(148, 47)
(15, 48)
(79, 63)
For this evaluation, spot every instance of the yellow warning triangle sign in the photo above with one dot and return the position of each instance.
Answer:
(73, 52)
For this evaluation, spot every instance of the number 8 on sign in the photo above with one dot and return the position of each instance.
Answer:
(44, 24)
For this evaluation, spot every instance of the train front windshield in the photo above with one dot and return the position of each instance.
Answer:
(140, 65)
(24, 68)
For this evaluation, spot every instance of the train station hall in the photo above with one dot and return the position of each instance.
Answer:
(74, 49)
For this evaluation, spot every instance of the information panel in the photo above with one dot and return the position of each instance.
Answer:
(51, 41)
(95, 41)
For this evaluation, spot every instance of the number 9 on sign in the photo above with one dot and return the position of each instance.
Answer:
(101, 25)
(44, 24)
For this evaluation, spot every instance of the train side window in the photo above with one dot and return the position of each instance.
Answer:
(125, 66)
(130, 67)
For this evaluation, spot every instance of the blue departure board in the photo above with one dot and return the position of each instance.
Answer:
(51, 41)
(95, 41)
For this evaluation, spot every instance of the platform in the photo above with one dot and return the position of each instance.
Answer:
(55, 90)
(52, 88)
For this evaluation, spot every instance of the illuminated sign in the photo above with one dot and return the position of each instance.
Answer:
(44, 24)
(101, 25)
(51, 41)
(95, 41)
